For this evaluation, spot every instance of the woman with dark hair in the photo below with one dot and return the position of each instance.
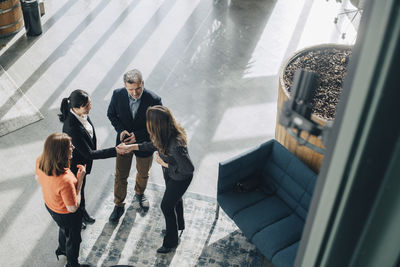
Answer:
(62, 193)
(77, 124)
(169, 139)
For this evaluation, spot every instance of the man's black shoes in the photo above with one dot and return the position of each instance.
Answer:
(116, 214)
(118, 211)
(143, 202)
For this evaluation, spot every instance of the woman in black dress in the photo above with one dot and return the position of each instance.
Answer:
(169, 139)
(77, 124)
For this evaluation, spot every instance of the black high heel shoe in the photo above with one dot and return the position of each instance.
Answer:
(164, 250)
(87, 218)
(60, 252)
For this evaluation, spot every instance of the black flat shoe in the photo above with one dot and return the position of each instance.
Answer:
(60, 252)
(83, 225)
(116, 214)
(164, 250)
(87, 219)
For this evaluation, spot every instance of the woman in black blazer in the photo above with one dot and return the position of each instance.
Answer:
(169, 139)
(77, 124)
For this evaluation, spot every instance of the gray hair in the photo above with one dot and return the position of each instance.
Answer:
(133, 76)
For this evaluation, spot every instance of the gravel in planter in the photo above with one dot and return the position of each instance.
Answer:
(331, 65)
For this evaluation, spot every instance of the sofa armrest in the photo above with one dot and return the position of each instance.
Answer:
(241, 166)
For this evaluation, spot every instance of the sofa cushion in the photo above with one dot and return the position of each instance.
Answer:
(261, 214)
(242, 166)
(287, 256)
(305, 200)
(271, 218)
(279, 235)
(293, 181)
(232, 202)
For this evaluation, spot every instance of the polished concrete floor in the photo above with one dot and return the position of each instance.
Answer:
(214, 63)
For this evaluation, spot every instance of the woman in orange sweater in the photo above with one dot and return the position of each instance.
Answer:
(62, 193)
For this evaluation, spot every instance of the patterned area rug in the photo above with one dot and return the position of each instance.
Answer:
(134, 241)
(16, 111)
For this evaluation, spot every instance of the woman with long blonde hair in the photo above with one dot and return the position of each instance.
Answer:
(169, 139)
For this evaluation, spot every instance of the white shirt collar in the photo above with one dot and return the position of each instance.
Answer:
(79, 117)
(85, 122)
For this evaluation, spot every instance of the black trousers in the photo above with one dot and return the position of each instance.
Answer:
(172, 208)
(69, 234)
(83, 202)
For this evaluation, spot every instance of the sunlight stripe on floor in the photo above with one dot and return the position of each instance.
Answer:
(165, 34)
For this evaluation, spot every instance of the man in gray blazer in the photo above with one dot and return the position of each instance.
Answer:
(127, 113)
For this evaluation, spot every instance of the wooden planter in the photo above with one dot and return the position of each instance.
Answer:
(11, 20)
(311, 158)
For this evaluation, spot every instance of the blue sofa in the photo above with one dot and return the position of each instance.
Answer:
(272, 214)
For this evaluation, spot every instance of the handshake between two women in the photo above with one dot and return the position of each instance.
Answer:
(124, 148)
